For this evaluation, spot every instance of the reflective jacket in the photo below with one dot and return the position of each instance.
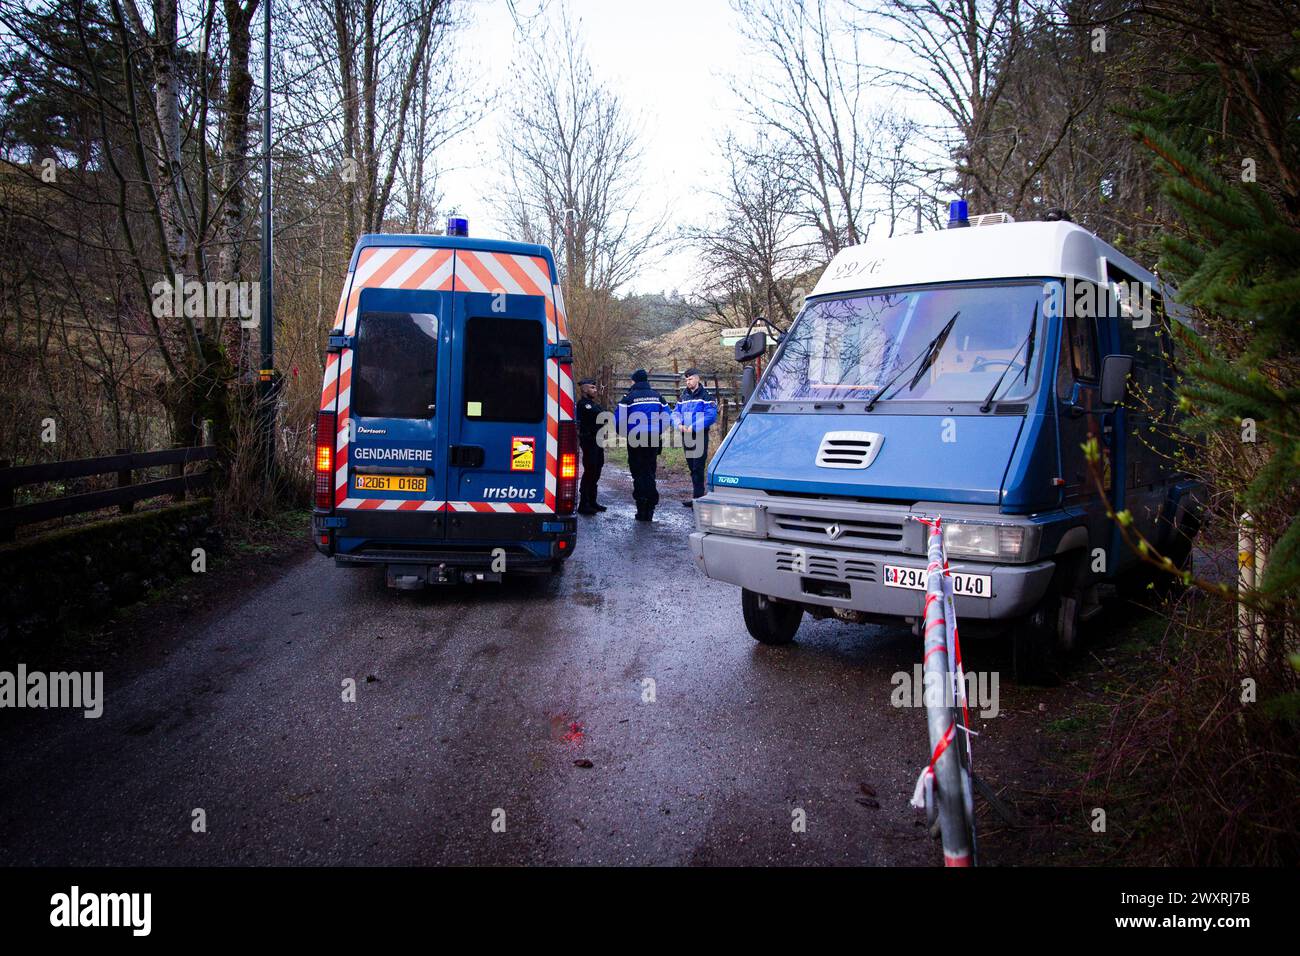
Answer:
(696, 409)
(642, 411)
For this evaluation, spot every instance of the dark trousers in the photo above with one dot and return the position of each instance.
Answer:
(643, 463)
(593, 460)
(698, 462)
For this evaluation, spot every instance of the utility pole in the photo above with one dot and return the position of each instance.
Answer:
(267, 386)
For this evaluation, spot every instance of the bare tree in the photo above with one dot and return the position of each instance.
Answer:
(752, 255)
(368, 105)
(809, 94)
(572, 156)
(235, 135)
(974, 62)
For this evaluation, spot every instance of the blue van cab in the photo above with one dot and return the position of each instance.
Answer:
(958, 373)
(446, 447)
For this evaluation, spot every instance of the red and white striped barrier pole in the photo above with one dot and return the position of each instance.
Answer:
(940, 788)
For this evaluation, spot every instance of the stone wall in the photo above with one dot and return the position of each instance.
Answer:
(76, 575)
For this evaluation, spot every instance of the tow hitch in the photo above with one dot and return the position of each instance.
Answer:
(404, 577)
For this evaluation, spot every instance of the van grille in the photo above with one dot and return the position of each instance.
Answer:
(851, 449)
(843, 531)
(828, 567)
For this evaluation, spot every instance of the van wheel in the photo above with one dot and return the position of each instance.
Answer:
(1071, 584)
(1034, 657)
(769, 621)
(1044, 637)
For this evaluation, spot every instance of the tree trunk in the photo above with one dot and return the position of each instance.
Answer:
(234, 157)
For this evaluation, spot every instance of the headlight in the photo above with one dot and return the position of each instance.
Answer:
(1002, 542)
(727, 518)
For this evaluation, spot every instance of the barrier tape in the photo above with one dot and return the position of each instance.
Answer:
(923, 795)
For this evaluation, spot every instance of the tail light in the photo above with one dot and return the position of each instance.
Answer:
(567, 491)
(326, 440)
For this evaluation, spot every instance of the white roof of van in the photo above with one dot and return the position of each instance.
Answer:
(1009, 250)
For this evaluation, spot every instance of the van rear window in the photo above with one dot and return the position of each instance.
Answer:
(395, 370)
(505, 369)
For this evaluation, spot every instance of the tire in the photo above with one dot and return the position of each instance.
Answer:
(1034, 658)
(1071, 593)
(1044, 637)
(769, 621)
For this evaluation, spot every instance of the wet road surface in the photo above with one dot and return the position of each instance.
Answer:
(474, 707)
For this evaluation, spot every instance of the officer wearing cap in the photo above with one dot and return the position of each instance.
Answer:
(641, 416)
(694, 415)
(593, 455)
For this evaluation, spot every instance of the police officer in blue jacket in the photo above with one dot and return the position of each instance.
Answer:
(694, 415)
(641, 415)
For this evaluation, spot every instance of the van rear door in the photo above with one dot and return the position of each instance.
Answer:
(497, 422)
(399, 376)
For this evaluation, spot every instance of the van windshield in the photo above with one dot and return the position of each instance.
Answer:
(894, 342)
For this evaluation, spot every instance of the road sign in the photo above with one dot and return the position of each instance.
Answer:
(732, 336)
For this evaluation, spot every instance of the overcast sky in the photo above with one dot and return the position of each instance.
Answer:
(668, 60)
(672, 62)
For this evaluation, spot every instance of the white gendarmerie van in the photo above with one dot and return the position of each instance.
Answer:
(959, 373)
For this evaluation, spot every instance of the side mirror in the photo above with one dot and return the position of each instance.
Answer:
(748, 382)
(1115, 370)
(751, 346)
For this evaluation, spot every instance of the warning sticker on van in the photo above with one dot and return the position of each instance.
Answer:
(523, 453)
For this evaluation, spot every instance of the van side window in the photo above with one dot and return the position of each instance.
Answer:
(1083, 346)
(505, 369)
(396, 365)
(1079, 361)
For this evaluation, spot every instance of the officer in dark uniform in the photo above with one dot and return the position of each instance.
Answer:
(641, 416)
(693, 416)
(593, 455)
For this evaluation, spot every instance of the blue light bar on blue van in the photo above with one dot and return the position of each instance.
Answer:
(958, 214)
(457, 226)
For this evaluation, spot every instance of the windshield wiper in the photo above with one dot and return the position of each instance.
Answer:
(1029, 341)
(929, 353)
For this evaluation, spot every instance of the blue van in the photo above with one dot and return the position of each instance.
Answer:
(958, 373)
(446, 447)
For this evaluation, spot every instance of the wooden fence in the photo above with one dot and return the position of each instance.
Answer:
(123, 496)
